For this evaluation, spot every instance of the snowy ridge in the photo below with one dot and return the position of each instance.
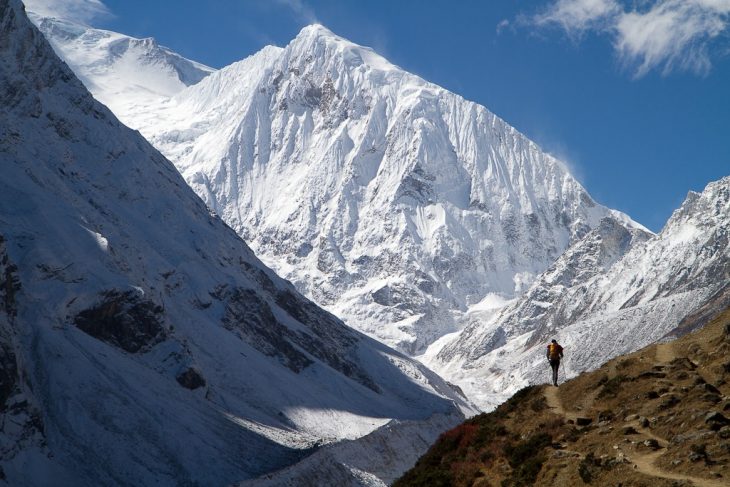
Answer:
(122, 72)
(599, 308)
(350, 463)
(140, 338)
(392, 202)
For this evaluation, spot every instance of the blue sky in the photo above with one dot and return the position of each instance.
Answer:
(635, 99)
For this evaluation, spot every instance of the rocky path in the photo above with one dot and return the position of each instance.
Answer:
(556, 404)
(665, 353)
(553, 400)
(643, 462)
(646, 463)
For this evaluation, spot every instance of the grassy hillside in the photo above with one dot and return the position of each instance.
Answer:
(659, 417)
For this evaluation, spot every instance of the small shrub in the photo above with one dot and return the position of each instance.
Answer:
(465, 473)
(539, 404)
(726, 368)
(612, 387)
(527, 472)
(488, 433)
(587, 467)
(519, 397)
(572, 434)
(606, 415)
(623, 364)
(700, 449)
(524, 450)
(526, 460)
(585, 472)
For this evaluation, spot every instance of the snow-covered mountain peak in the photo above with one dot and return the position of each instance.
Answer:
(316, 31)
(317, 42)
(350, 176)
(390, 200)
(704, 207)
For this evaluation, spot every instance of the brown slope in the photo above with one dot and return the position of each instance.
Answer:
(657, 417)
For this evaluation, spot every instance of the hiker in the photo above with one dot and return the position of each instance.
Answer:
(554, 354)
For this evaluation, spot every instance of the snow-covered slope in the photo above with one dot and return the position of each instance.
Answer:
(124, 73)
(412, 213)
(392, 202)
(599, 306)
(141, 341)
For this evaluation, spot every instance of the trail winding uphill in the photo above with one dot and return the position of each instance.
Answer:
(645, 462)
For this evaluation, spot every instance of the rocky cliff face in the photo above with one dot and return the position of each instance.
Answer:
(392, 202)
(140, 338)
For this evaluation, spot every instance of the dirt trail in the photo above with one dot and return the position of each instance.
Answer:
(644, 462)
(665, 352)
(553, 400)
(552, 395)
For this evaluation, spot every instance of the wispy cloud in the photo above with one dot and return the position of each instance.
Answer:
(577, 16)
(665, 35)
(503, 25)
(674, 34)
(301, 10)
(83, 11)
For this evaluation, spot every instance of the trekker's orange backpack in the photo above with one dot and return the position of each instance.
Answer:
(554, 351)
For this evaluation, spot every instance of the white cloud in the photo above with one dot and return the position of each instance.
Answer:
(301, 10)
(83, 11)
(673, 34)
(502, 25)
(576, 16)
(666, 35)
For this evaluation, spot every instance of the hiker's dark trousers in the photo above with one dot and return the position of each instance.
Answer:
(555, 364)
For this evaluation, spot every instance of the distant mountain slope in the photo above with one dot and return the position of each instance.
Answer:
(392, 202)
(597, 307)
(122, 72)
(141, 341)
(659, 417)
